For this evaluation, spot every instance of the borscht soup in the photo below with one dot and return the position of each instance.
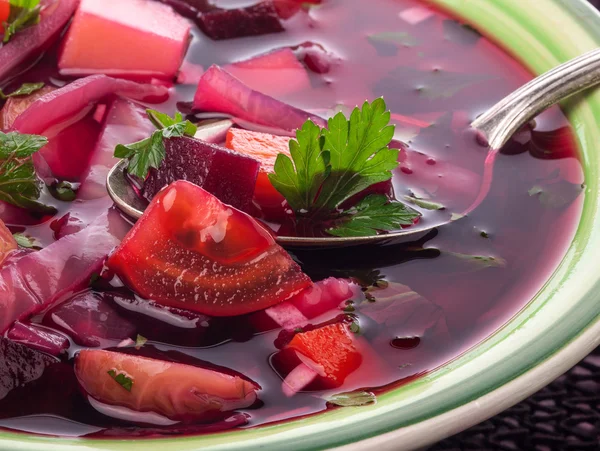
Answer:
(239, 122)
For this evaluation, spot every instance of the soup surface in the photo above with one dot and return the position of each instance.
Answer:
(408, 308)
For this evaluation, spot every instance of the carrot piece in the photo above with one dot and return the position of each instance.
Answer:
(331, 350)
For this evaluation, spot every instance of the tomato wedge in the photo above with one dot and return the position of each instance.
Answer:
(177, 391)
(191, 251)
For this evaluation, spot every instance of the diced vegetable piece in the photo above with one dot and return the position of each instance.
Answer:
(177, 391)
(125, 123)
(39, 338)
(28, 44)
(329, 351)
(275, 73)
(324, 296)
(227, 175)
(125, 38)
(297, 379)
(14, 106)
(78, 142)
(264, 147)
(65, 103)
(90, 321)
(20, 365)
(287, 8)
(316, 58)
(191, 251)
(221, 92)
(253, 20)
(40, 278)
(7, 242)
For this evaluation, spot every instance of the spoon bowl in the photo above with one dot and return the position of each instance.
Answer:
(492, 130)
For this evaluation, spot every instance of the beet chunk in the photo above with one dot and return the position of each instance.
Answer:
(20, 365)
(228, 175)
(253, 20)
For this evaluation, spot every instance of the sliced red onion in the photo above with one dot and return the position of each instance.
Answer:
(39, 338)
(62, 104)
(214, 132)
(286, 315)
(220, 91)
(26, 45)
(298, 378)
(39, 279)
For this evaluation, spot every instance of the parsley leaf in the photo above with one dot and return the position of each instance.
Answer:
(299, 179)
(23, 14)
(140, 341)
(150, 152)
(358, 151)
(352, 399)
(24, 90)
(26, 242)
(122, 379)
(329, 166)
(19, 183)
(374, 213)
(424, 203)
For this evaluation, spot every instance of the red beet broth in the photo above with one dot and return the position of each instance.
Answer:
(436, 75)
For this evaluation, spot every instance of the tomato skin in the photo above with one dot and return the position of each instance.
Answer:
(191, 251)
(332, 350)
(177, 391)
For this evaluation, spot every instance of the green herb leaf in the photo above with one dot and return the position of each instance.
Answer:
(328, 166)
(23, 14)
(140, 341)
(26, 242)
(150, 152)
(24, 90)
(19, 183)
(352, 399)
(556, 195)
(481, 261)
(358, 152)
(122, 379)
(373, 214)
(64, 191)
(423, 203)
(299, 179)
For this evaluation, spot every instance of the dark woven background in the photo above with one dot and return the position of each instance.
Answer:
(563, 416)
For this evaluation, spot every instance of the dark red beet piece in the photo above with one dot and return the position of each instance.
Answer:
(66, 225)
(20, 365)
(90, 321)
(228, 175)
(253, 20)
(37, 337)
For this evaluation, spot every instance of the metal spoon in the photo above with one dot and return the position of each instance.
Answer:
(493, 129)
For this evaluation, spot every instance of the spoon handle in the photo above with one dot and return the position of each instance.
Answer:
(502, 120)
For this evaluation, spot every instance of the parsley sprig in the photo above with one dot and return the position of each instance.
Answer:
(23, 14)
(328, 166)
(150, 152)
(19, 183)
(24, 90)
(373, 214)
